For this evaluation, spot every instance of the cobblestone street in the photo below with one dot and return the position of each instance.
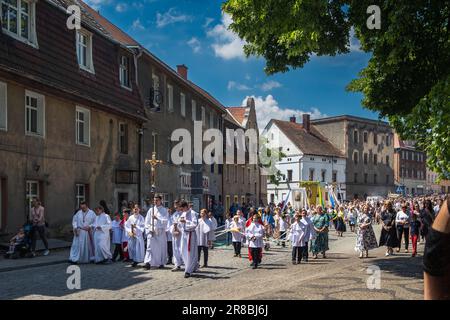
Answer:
(341, 276)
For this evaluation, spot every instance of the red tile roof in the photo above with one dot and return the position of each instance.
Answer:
(238, 113)
(311, 143)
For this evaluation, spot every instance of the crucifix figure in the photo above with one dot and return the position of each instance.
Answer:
(153, 164)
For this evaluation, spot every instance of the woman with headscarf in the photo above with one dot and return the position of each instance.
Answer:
(388, 235)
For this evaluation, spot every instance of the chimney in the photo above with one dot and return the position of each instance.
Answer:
(307, 122)
(293, 119)
(182, 71)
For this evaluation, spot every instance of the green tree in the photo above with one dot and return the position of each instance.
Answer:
(407, 78)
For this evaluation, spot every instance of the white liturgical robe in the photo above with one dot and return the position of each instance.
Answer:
(203, 231)
(155, 229)
(175, 234)
(82, 250)
(254, 234)
(136, 245)
(189, 241)
(102, 237)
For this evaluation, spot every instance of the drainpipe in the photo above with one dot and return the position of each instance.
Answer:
(140, 132)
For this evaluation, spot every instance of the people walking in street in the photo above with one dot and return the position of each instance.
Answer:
(426, 218)
(156, 226)
(340, 222)
(135, 227)
(125, 236)
(320, 242)
(212, 232)
(402, 221)
(228, 222)
(388, 235)
(102, 241)
(38, 221)
(365, 239)
(255, 233)
(82, 249)
(237, 232)
(188, 224)
(415, 226)
(205, 225)
(116, 236)
(301, 233)
(175, 232)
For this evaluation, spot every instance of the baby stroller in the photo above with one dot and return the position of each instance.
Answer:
(21, 247)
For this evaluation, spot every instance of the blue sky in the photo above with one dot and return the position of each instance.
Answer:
(194, 33)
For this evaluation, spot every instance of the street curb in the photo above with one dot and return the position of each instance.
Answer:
(37, 265)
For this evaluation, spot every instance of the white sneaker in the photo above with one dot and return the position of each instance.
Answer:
(387, 254)
(46, 252)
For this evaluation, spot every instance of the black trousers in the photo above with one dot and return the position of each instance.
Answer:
(41, 231)
(117, 252)
(255, 252)
(237, 247)
(305, 252)
(405, 232)
(169, 251)
(205, 254)
(298, 253)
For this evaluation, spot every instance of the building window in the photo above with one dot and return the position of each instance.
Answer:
(375, 178)
(123, 138)
(124, 74)
(203, 116)
(84, 50)
(365, 177)
(311, 174)
(32, 192)
(156, 93)
(334, 176)
(375, 139)
(3, 107)
(80, 195)
(323, 174)
(375, 159)
(365, 136)
(387, 161)
(194, 110)
(365, 158)
(183, 105)
(355, 178)
(83, 119)
(18, 20)
(289, 175)
(355, 136)
(34, 113)
(355, 157)
(170, 97)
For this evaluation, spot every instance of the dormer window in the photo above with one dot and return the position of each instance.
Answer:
(84, 50)
(18, 20)
(124, 74)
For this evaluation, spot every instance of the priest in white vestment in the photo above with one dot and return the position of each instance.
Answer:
(187, 224)
(155, 228)
(82, 250)
(102, 227)
(254, 234)
(134, 227)
(175, 234)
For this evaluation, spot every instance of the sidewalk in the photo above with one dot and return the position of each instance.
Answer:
(59, 253)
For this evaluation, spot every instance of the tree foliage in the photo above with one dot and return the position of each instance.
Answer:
(407, 77)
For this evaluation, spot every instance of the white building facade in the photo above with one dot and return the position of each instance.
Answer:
(308, 157)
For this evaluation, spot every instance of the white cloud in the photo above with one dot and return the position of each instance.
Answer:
(170, 17)
(208, 21)
(270, 85)
(227, 45)
(238, 86)
(194, 43)
(137, 25)
(268, 108)
(121, 7)
(355, 45)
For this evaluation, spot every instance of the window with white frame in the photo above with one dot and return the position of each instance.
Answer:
(194, 110)
(32, 192)
(124, 74)
(84, 50)
(170, 97)
(3, 107)
(183, 105)
(18, 20)
(83, 119)
(80, 194)
(34, 113)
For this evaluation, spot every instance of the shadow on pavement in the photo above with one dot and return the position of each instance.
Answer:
(404, 266)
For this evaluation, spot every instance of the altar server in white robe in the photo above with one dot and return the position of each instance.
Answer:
(116, 237)
(134, 227)
(204, 228)
(237, 229)
(82, 250)
(254, 234)
(301, 233)
(155, 228)
(102, 227)
(212, 233)
(187, 224)
(175, 234)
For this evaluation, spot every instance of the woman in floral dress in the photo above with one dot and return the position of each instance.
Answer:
(365, 239)
(320, 243)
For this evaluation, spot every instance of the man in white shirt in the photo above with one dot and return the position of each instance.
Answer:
(82, 250)
(402, 221)
(254, 234)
